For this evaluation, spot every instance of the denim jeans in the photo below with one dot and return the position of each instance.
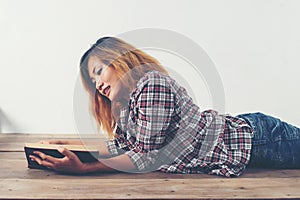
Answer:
(276, 144)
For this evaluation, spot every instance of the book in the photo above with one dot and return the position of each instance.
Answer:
(86, 153)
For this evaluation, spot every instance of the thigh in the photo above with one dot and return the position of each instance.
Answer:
(276, 144)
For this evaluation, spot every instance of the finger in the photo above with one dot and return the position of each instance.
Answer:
(56, 142)
(42, 162)
(66, 152)
(36, 159)
(52, 142)
(45, 157)
(40, 154)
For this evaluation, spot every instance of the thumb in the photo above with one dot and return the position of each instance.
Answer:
(65, 152)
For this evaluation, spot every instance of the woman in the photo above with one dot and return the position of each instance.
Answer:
(153, 124)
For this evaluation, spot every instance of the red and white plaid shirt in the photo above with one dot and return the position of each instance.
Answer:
(162, 129)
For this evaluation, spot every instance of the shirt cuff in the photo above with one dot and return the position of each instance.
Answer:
(137, 159)
(226, 171)
(112, 147)
(144, 161)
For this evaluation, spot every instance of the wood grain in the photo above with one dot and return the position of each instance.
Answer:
(149, 188)
(19, 182)
(15, 142)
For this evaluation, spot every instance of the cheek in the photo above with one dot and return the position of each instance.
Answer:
(105, 76)
(112, 76)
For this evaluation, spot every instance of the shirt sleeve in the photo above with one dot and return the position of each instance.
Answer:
(112, 147)
(234, 150)
(153, 110)
(117, 146)
(233, 169)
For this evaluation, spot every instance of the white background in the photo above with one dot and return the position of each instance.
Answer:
(254, 45)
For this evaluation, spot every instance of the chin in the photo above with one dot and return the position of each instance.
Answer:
(111, 97)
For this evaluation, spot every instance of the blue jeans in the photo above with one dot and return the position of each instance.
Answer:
(276, 144)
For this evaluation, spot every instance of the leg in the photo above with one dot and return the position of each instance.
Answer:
(276, 144)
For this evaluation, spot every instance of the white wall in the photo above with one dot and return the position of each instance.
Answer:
(254, 45)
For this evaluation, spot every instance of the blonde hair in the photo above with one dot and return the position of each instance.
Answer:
(124, 58)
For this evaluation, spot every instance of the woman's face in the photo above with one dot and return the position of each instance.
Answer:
(104, 77)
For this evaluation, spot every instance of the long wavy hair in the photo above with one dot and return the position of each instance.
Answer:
(124, 58)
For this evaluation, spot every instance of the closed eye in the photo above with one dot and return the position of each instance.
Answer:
(99, 71)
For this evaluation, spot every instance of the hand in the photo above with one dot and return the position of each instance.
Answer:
(69, 164)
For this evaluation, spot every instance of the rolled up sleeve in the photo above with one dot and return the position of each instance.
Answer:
(112, 147)
(117, 146)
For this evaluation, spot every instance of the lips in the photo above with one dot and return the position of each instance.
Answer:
(106, 91)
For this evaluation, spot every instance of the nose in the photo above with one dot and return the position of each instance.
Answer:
(99, 85)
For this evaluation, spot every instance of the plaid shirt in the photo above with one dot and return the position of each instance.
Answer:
(162, 129)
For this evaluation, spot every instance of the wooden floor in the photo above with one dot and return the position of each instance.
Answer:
(19, 182)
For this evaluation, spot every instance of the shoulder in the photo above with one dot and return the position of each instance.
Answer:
(154, 77)
(153, 80)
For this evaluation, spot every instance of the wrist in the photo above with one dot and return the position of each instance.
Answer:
(85, 168)
(92, 167)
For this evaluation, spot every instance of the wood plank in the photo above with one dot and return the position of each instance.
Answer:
(12, 156)
(15, 142)
(14, 165)
(150, 188)
(16, 136)
(17, 181)
(17, 168)
(11, 147)
(19, 146)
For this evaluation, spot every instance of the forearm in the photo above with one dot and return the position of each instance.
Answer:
(118, 163)
(103, 150)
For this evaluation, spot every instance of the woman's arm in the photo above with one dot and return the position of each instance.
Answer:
(71, 163)
(118, 163)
